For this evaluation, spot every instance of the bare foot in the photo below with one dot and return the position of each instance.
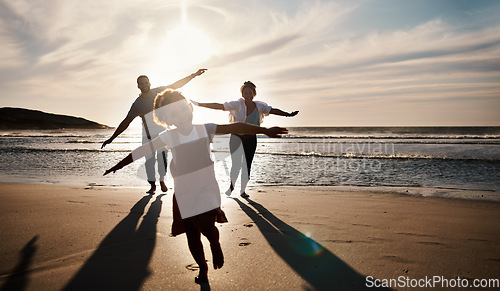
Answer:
(201, 279)
(202, 276)
(244, 195)
(163, 186)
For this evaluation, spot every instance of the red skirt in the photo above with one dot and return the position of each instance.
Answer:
(178, 226)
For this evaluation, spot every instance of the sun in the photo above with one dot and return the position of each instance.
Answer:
(185, 47)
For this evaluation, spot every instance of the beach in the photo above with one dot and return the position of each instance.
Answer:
(360, 141)
(297, 238)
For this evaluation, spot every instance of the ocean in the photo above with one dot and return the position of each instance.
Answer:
(449, 162)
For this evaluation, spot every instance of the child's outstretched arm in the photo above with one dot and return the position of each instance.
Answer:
(280, 112)
(245, 128)
(140, 152)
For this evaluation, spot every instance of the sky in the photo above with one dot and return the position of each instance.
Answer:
(340, 63)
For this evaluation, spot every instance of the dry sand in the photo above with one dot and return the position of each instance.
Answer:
(283, 238)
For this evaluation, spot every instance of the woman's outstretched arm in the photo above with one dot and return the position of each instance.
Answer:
(280, 112)
(140, 152)
(246, 128)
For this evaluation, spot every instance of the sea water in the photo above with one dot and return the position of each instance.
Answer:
(442, 161)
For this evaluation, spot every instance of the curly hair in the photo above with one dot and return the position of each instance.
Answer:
(166, 97)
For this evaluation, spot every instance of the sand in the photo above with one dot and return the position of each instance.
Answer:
(283, 238)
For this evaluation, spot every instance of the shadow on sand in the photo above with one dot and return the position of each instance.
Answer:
(18, 280)
(121, 260)
(309, 259)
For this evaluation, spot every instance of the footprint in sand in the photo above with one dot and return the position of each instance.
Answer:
(244, 243)
(248, 225)
(192, 267)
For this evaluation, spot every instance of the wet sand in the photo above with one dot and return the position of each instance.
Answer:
(80, 238)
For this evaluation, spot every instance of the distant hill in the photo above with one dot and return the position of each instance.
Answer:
(20, 118)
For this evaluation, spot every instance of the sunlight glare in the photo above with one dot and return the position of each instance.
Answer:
(185, 47)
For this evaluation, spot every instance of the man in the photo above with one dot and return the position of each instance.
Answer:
(143, 107)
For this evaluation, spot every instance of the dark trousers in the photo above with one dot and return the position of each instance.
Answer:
(242, 152)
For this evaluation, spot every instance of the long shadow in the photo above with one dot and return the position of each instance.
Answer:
(121, 260)
(309, 259)
(18, 280)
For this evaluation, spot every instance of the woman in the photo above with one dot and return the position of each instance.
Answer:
(249, 111)
(196, 204)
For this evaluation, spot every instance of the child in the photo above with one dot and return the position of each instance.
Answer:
(196, 204)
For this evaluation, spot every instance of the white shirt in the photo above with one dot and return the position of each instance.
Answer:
(238, 110)
(195, 185)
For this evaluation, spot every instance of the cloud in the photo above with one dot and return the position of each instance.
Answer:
(313, 52)
(25, 26)
(430, 49)
(259, 49)
(11, 56)
(435, 62)
(429, 41)
(308, 24)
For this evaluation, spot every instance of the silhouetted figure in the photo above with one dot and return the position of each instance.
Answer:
(18, 280)
(249, 111)
(122, 258)
(143, 107)
(314, 263)
(196, 192)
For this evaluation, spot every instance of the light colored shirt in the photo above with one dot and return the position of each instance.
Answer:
(238, 110)
(253, 118)
(195, 186)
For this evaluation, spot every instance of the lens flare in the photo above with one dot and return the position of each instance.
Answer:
(305, 245)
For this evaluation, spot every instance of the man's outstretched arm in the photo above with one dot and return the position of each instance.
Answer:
(121, 128)
(185, 80)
